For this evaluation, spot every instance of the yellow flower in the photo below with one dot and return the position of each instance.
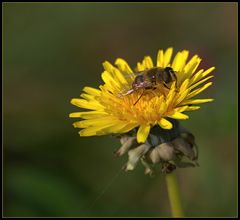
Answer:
(112, 111)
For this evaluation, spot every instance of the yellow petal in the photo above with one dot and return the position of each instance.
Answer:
(128, 127)
(184, 86)
(197, 76)
(200, 74)
(196, 101)
(160, 59)
(165, 124)
(96, 122)
(200, 82)
(147, 62)
(183, 91)
(140, 67)
(107, 77)
(195, 66)
(186, 108)
(208, 71)
(115, 128)
(163, 106)
(95, 130)
(180, 109)
(142, 133)
(182, 96)
(115, 74)
(178, 115)
(87, 115)
(108, 66)
(123, 66)
(180, 60)
(192, 108)
(167, 56)
(110, 81)
(171, 94)
(191, 63)
(91, 91)
(177, 62)
(82, 103)
(75, 115)
(185, 54)
(87, 96)
(91, 131)
(120, 77)
(120, 127)
(197, 91)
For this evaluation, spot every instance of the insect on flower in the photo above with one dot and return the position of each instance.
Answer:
(142, 99)
(143, 107)
(149, 79)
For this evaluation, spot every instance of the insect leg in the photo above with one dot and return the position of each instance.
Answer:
(165, 85)
(127, 93)
(139, 98)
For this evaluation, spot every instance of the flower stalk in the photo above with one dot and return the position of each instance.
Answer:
(143, 108)
(174, 195)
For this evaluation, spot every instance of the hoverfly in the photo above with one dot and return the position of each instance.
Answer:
(150, 78)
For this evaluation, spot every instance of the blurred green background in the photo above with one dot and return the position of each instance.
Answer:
(52, 50)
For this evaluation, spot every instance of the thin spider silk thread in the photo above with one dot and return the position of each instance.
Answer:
(105, 189)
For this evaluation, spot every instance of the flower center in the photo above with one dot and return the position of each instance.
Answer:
(143, 106)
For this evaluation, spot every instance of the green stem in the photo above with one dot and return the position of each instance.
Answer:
(174, 197)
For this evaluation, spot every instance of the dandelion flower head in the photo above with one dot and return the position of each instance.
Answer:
(109, 111)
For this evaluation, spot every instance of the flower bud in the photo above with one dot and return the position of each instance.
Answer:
(169, 149)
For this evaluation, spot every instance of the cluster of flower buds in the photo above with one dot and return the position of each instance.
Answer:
(169, 148)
